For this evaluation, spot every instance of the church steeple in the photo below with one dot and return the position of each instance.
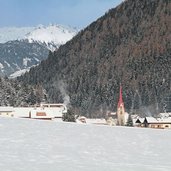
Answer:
(121, 109)
(120, 102)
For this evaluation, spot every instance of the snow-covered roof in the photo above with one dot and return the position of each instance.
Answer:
(158, 120)
(164, 120)
(139, 120)
(22, 111)
(52, 111)
(6, 109)
(163, 115)
(150, 119)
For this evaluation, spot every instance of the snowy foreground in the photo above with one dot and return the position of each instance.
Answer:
(34, 145)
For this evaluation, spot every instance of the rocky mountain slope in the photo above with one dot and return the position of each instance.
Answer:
(20, 55)
(22, 48)
(130, 44)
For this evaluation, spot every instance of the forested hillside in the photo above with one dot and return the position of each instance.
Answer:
(131, 45)
(14, 94)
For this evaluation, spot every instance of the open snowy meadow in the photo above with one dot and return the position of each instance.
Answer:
(35, 145)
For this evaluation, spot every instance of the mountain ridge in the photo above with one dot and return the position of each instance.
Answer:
(22, 33)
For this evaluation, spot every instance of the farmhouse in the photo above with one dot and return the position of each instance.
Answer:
(7, 111)
(151, 122)
(139, 122)
(43, 111)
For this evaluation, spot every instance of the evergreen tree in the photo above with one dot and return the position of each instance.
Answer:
(69, 116)
(129, 121)
(31, 99)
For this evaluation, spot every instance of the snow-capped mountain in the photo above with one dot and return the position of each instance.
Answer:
(21, 48)
(14, 33)
(53, 35)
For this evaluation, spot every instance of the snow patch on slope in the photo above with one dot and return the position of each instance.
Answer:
(1, 66)
(7, 63)
(25, 61)
(19, 73)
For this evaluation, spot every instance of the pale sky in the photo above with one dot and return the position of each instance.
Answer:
(75, 13)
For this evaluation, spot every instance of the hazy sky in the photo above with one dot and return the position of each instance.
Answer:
(79, 13)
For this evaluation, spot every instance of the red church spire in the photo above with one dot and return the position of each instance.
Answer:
(121, 109)
(120, 102)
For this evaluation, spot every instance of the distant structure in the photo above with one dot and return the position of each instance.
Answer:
(121, 110)
(42, 111)
(151, 122)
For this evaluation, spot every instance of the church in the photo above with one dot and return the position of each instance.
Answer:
(122, 116)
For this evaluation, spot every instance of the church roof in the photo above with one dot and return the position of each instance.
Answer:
(120, 102)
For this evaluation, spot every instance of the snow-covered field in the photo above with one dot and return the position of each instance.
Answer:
(34, 145)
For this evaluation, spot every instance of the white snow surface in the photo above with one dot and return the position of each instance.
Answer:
(37, 145)
(1, 66)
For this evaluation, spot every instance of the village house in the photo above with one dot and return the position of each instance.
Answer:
(151, 122)
(165, 115)
(7, 111)
(138, 122)
(43, 111)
